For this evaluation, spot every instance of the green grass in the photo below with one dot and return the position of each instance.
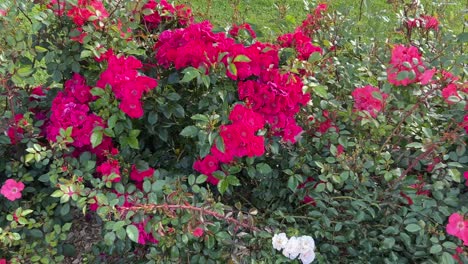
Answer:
(376, 18)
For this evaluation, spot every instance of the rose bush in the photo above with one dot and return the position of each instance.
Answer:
(195, 145)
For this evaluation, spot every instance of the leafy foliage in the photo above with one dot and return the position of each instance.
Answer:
(191, 145)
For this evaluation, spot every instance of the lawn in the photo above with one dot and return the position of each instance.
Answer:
(375, 17)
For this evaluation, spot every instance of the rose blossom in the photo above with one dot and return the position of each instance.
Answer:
(12, 189)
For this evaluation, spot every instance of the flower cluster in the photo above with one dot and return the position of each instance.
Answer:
(303, 246)
(405, 61)
(139, 176)
(70, 109)
(450, 91)
(109, 170)
(85, 10)
(424, 21)
(234, 31)
(12, 189)
(278, 98)
(458, 226)
(267, 91)
(16, 130)
(145, 237)
(239, 139)
(163, 12)
(193, 46)
(312, 23)
(300, 42)
(127, 84)
(369, 99)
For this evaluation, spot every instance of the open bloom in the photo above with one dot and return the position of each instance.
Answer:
(12, 189)
(458, 226)
(292, 248)
(279, 241)
(370, 99)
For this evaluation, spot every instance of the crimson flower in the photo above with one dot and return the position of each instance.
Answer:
(198, 232)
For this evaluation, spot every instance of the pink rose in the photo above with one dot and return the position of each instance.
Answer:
(12, 189)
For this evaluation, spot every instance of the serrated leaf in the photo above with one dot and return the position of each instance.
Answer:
(223, 185)
(233, 180)
(242, 58)
(201, 179)
(414, 145)
(189, 131)
(190, 73)
(389, 242)
(96, 91)
(232, 69)
(25, 71)
(132, 233)
(200, 117)
(402, 75)
(435, 249)
(314, 57)
(321, 91)
(413, 228)
(57, 193)
(40, 49)
(96, 137)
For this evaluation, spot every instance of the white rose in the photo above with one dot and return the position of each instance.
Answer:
(306, 243)
(307, 257)
(292, 248)
(279, 241)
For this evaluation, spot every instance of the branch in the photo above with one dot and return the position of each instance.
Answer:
(152, 207)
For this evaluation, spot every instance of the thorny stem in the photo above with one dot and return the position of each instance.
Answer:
(407, 114)
(152, 207)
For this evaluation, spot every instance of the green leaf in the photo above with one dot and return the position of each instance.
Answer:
(223, 185)
(109, 238)
(40, 49)
(402, 75)
(320, 187)
(233, 180)
(133, 142)
(293, 183)
(96, 137)
(232, 69)
(263, 168)
(25, 71)
(189, 131)
(190, 73)
(435, 249)
(200, 117)
(321, 91)
(413, 228)
(449, 245)
(96, 91)
(414, 145)
(456, 175)
(152, 117)
(132, 233)
(389, 242)
(57, 193)
(314, 57)
(241, 58)
(447, 258)
(173, 97)
(201, 179)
